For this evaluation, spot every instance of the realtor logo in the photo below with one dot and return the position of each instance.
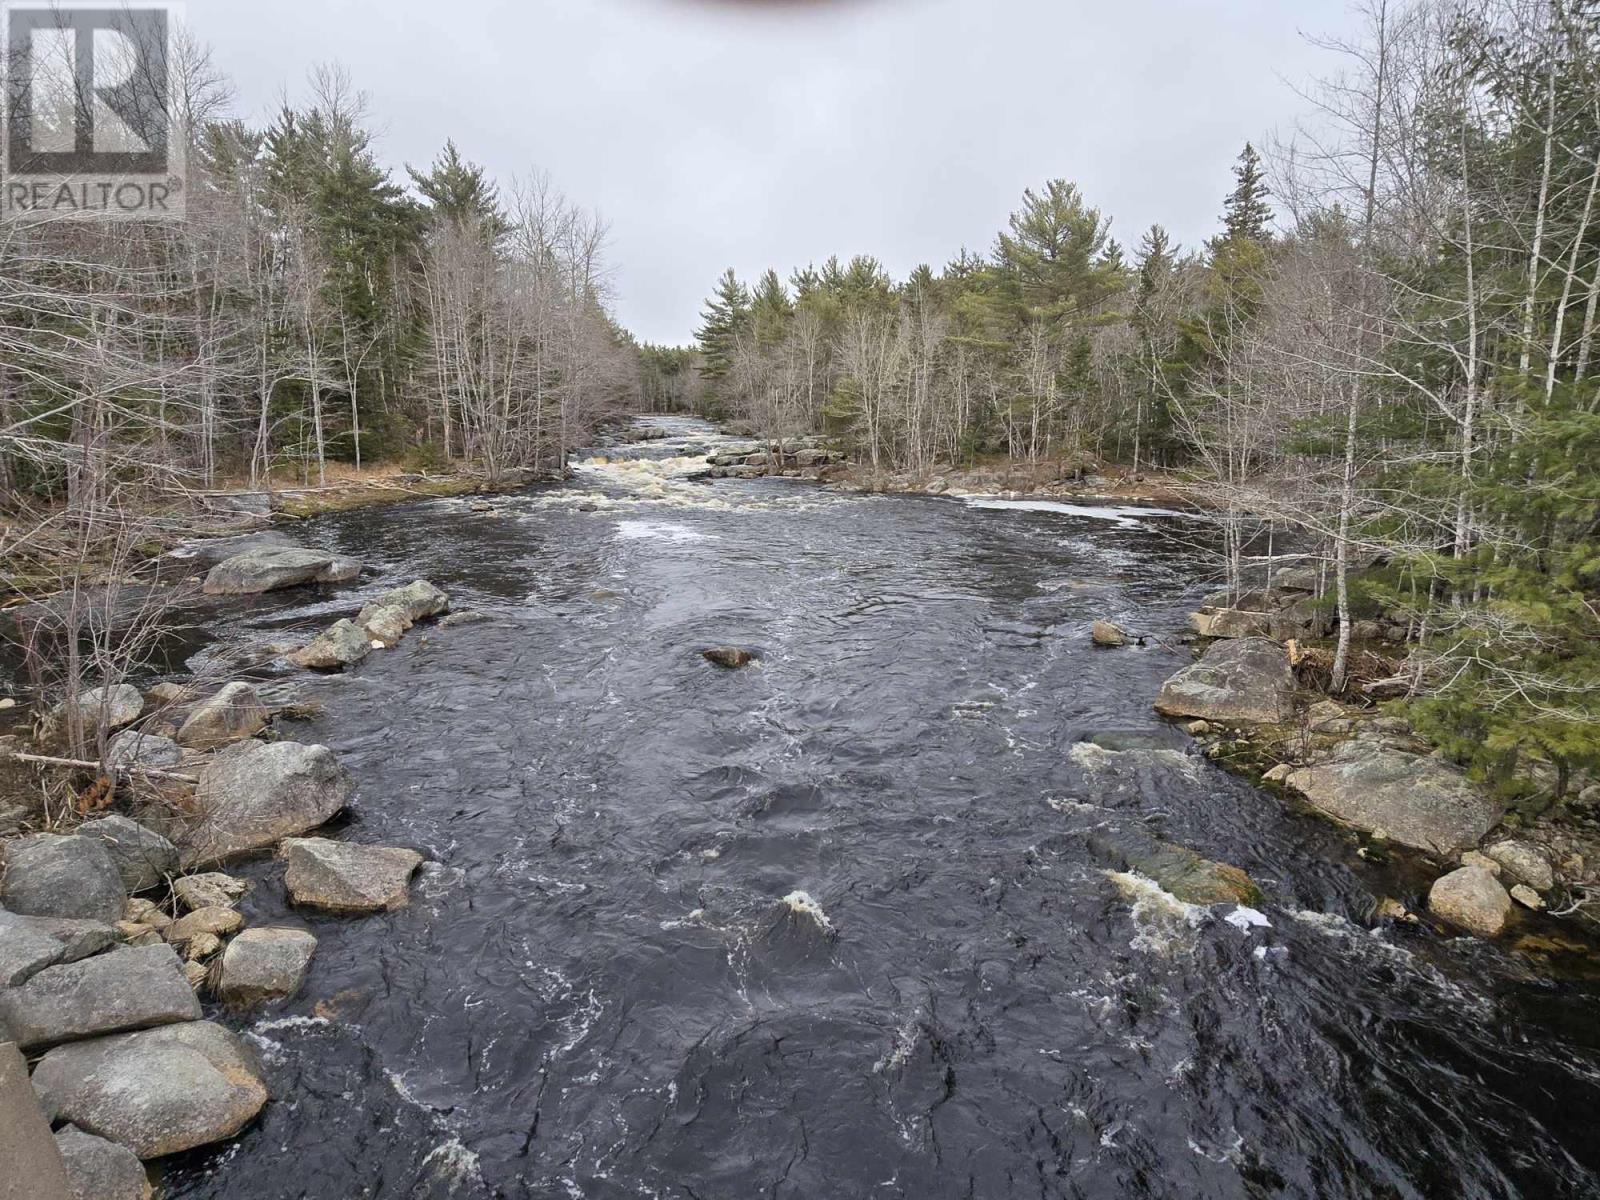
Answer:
(89, 128)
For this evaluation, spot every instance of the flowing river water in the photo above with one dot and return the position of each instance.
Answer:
(834, 926)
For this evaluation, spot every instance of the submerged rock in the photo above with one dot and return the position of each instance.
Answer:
(101, 1170)
(51, 875)
(233, 714)
(1419, 800)
(729, 657)
(253, 795)
(1182, 872)
(144, 858)
(1245, 681)
(156, 1092)
(342, 644)
(1105, 633)
(265, 964)
(266, 569)
(133, 988)
(341, 877)
(1471, 899)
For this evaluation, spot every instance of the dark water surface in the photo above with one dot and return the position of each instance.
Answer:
(599, 989)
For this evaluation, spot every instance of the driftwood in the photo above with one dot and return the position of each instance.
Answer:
(82, 764)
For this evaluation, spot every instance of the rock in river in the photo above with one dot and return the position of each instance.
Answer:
(266, 570)
(388, 617)
(265, 964)
(234, 713)
(342, 644)
(133, 988)
(730, 657)
(251, 796)
(1471, 899)
(1242, 681)
(156, 1092)
(144, 858)
(1419, 800)
(209, 889)
(1183, 873)
(1105, 633)
(50, 875)
(101, 1170)
(341, 877)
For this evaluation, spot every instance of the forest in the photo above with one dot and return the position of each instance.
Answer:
(1387, 351)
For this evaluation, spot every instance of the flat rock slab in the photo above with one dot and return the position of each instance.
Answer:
(157, 1092)
(1245, 681)
(30, 1164)
(30, 944)
(266, 569)
(264, 964)
(340, 877)
(51, 875)
(101, 1170)
(234, 713)
(144, 858)
(1417, 800)
(133, 988)
(253, 795)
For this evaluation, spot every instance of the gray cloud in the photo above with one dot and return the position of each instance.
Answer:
(753, 135)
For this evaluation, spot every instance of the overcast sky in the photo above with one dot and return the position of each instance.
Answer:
(744, 134)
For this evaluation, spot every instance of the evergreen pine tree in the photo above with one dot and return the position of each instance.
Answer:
(727, 314)
(1246, 215)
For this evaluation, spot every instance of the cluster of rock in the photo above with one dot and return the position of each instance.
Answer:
(1287, 608)
(107, 933)
(794, 459)
(380, 624)
(1366, 771)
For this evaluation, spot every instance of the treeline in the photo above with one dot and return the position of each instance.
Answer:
(311, 309)
(1396, 368)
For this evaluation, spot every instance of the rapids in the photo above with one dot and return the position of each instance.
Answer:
(830, 927)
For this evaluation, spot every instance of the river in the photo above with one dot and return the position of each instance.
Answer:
(831, 926)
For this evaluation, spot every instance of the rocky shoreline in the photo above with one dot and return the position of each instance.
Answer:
(116, 920)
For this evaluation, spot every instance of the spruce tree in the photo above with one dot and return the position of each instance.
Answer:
(727, 315)
(1246, 215)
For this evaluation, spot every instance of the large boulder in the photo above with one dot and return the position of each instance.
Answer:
(342, 644)
(1418, 800)
(1246, 681)
(266, 569)
(1524, 864)
(387, 618)
(1472, 899)
(341, 877)
(252, 796)
(133, 988)
(101, 1170)
(1231, 623)
(30, 1164)
(51, 875)
(134, 748)
(30, 944)
(265, 964)
(144, 858)
(156, 1092)
(119, 705)
(234, 713)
